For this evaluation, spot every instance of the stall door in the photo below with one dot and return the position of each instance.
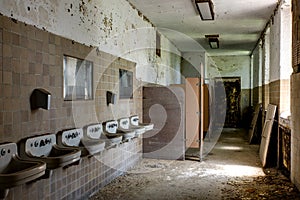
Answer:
(194, 116)
(192, 99)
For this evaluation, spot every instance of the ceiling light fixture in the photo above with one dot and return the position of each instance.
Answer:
(205, 9)
(213, 41)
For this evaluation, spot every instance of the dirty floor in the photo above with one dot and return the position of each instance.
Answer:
(231, 171)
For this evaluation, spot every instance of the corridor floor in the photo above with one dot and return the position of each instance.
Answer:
(231, 171)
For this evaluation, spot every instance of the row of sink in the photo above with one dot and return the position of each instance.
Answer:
(36, 157)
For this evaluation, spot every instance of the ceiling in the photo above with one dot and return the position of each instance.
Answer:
(239, 23)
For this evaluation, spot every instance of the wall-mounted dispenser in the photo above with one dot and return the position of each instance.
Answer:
(110, 98)
(40, 98)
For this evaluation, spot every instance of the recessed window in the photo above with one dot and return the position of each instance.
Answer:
(125, 84)
(78, 79)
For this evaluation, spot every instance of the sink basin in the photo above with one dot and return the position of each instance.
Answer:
(110, 133)
(124, 127)
(15, 171)
(44, 148)
(92, 138)
(140, 128)
(87, 143)
(113, 127)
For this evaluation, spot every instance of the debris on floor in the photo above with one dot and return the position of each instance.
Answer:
(232, 171)
(157, 179)
(272, 186)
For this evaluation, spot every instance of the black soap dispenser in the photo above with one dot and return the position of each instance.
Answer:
(40, 98)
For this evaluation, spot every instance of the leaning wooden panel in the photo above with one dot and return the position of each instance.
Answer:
(253, 126)
(271, 111)
(266, 134)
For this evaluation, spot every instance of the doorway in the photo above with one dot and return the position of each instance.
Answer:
(232, 87)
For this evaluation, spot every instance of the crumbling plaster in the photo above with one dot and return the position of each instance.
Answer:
(113, 26)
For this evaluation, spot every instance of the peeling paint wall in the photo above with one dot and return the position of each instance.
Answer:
(272, 61)
(286, 42)
(257, 60)
(168, 64)
(275, 49)
(230, 66)
(266, 59)
(281, 44)
(266, 70)
(256, 74)
(114, 26)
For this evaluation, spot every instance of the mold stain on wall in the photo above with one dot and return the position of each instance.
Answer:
(108, 23)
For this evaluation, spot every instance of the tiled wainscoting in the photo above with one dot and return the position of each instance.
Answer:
(32, 58)
(80, 181)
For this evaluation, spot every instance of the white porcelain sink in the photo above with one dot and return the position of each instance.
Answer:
(75, 138)
(134, 124)
(44, 148)
(92, 138)
(124, 128)
(110, 133)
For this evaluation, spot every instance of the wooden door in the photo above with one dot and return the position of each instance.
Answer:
(192, 99)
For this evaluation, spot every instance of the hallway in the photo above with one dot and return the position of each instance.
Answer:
(231, 171)
(86, 71)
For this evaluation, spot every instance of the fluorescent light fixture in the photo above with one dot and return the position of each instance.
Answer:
(213, 41)
(205, 9)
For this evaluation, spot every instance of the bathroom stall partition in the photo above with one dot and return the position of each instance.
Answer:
(180, 114)
(165, 108)
(192, 98)
(197, 116)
